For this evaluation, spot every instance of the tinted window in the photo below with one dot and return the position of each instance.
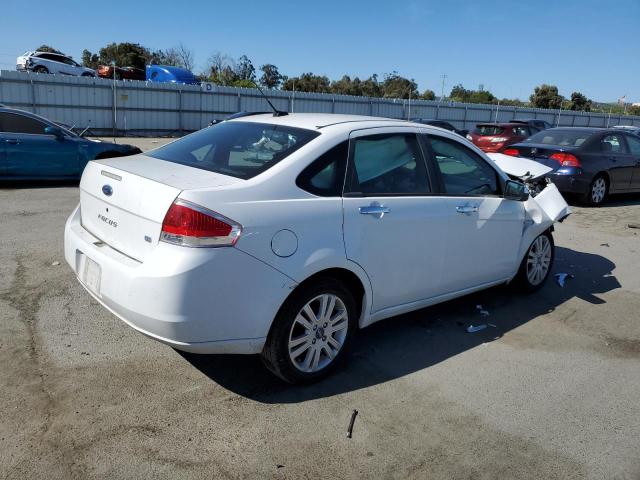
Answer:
(561, 136)
(634, 145)
(488, 130)
(521, 131)
(612, 143)
(325, 176)
(387, 165)
(463, 172)
(16, 123)
(238, 149)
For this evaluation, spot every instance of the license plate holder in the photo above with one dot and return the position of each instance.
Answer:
(91, 275)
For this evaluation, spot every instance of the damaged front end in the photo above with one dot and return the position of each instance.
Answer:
(545, 205)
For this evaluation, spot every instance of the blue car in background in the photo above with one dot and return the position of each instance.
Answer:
(32, 147)
(166, 74)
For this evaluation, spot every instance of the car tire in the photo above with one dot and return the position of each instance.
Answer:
(536, 264)
(302, 346)
(597, 192)
(40, 69)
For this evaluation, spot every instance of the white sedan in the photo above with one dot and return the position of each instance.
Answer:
(283, 235)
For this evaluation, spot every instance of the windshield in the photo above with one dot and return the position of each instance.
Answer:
(560, 136)
(239, 149)
(488, 130)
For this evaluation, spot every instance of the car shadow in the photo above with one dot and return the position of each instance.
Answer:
(24, 184)
(613, 200)
(407, 343)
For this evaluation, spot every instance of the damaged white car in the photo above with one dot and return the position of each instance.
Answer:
(282, 235)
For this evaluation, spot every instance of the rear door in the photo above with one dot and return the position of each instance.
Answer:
(618, 160)
(634, 150)
(393, 224)
(32, 153)
(483, 230)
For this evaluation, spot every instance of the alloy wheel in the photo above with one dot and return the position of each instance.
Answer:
(318, 333)
(539, 260)
(598, 190)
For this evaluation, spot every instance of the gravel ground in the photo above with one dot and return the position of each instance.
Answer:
(551, 392)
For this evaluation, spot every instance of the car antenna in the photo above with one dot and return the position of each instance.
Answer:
(276, 112)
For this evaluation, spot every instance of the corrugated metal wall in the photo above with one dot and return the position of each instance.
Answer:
(143, 108)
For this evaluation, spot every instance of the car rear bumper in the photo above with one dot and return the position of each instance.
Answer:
(570, 180)
(201, 300)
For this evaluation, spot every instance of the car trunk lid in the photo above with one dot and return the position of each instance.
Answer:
(541, 153)
(123, 201)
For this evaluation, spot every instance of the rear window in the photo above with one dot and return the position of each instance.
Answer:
(561, 137)
(488, 130)
(238, 149)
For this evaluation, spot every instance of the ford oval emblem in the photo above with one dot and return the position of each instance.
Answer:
(107, 190)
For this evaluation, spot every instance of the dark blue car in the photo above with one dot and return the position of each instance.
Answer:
(167, 74)
(591, 162)
(32, 147)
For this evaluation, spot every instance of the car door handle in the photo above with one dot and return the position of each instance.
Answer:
(467, 208)
(13, 141)
(375, 209)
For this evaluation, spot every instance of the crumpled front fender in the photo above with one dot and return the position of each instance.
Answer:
(541, 212)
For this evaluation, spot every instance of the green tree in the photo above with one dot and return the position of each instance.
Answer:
(461, 94)
(546, 96)
(308, 82)
(579, 102)
(89, 59)
(371, 87)
(47, 48)
(634, 110)
(347, 86)
(271, 77)
(123, 54)
(396, 86)
(245, 71)
(428, 95)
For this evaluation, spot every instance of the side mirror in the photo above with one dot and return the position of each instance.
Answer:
(516, 191)
(54, 131)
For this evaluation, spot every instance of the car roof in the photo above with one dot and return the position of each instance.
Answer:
(504, 124)
(317, 121)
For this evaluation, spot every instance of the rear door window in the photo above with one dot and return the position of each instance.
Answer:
(463, 171)
(239, 149)
(613, 143)
(16, 123)
(387, 164)
(325, 176)
(634, 144)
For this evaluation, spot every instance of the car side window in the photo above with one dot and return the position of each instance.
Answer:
(612, 144)
(15, 123)
(463, 171)
(325, 176)
(387, 164)
(634, 144)
(521, 131)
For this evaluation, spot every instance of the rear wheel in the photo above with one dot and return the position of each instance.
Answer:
(537, 263)
(598, 190)
(40, 69)
(312, 332)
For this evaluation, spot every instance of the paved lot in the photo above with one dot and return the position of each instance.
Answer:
(552, 392)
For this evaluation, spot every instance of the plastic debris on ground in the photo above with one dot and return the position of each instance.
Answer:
(55, 264)
(351, 422)
(476, 328)
(562, 278)
(483, 312)
(634, 225)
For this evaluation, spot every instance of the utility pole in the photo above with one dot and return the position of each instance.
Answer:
(115, 114)
(444, 77)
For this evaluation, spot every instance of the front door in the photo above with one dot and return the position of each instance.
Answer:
(393, 224)
(483, 230)
(634, 149)
(32, 153)
(618, 161)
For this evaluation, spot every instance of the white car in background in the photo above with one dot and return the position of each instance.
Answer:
(48, 62)
(283, 235)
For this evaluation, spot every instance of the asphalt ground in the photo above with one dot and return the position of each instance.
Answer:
(552, 391)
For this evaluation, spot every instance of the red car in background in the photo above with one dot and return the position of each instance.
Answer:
(122, 73)
(495, 137)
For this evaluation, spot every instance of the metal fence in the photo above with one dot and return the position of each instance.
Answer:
(144, 108)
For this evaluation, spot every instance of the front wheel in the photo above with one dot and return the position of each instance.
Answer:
(312, 332)
(537, 263)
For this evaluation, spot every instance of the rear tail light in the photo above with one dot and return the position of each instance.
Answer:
(566, 159)
(514, 152)
(191, 225)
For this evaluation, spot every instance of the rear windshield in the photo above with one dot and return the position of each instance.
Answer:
(488, 130)
(561, 137)
(239, 149)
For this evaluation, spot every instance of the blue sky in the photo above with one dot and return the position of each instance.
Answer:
(510, 46)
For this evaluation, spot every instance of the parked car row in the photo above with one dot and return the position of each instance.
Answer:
(56, 63)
